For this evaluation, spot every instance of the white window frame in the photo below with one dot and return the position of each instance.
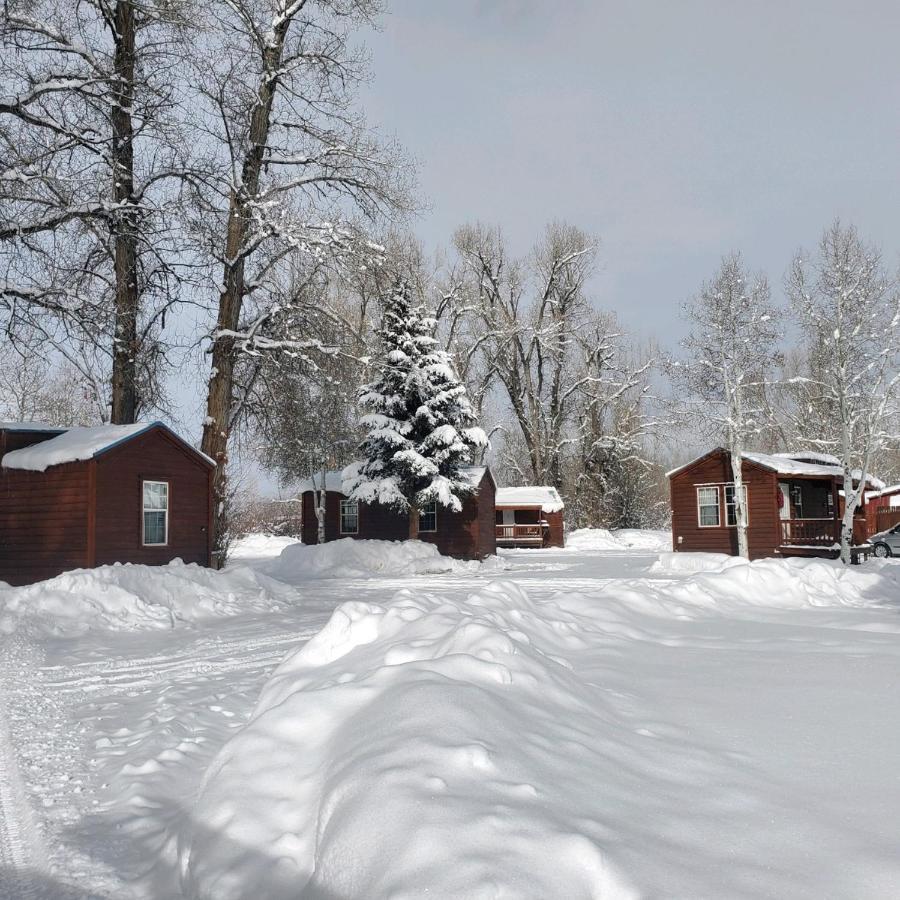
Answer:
(725, 487)
(145, 510)
(348, 504)
(427, 511)
(718, 523)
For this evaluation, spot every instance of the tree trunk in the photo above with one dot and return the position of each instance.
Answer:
(740, 511)
(220, 396)
(413, 524)
(124, 224)
(851, 498)
(321, 498)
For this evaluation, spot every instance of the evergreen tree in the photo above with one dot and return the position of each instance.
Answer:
(420, 423)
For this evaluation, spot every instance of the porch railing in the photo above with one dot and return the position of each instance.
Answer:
(520, 534)
(809, 532)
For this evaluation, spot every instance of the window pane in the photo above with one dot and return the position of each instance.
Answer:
(156, 495)
(708, 506)
(154, 527)
(428, 518)
(349, 517)
(730, 511)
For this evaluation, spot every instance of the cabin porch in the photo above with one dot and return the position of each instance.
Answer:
(808, 513)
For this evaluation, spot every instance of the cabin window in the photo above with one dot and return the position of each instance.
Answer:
(349, 517)
(730, 511)
(156, 513)
(708, 507)
(428, 518)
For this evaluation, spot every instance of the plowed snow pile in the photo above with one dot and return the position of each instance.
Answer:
(493, 746)
(133, 597)
(351, 558)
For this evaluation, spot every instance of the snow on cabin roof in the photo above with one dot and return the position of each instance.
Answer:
(30, 426)
(75, 445)
(334, 479)
(811, 456)
(530, 495)
(791, 464)
(883, 492)
(782, 463)
(788, 464)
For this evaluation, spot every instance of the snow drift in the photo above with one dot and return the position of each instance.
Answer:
(351, 558)
(620, 540)
(467, 747)
(133, 597)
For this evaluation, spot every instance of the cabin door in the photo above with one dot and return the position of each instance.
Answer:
(784, 508)
(509, 517)
(784, 500)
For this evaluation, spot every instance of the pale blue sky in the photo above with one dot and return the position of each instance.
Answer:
(676, 131)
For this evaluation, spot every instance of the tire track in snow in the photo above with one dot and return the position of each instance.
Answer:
(22, 854)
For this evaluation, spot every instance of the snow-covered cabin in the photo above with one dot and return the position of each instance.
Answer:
(468, 534)
(530, 516)
(82, 497)
(793, 500)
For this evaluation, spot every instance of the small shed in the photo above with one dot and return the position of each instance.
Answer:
(793, 502)
(530, 516)
(883, 509)
(83, 497)
(468, 534)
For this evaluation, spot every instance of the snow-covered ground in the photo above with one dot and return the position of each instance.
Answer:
(608, 720)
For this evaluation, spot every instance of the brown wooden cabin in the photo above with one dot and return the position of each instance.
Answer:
(793, 503)
(883, 509)
(83, 497)
(468, 534)
(530, 516)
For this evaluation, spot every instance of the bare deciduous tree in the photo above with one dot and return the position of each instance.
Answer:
(846, 402)
(731, 355)
(92, 160)
(292, 164)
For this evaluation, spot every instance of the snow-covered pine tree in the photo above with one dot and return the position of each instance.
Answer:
(420, 423)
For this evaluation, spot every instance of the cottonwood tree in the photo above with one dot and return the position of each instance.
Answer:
(92, 159)
(846, 403)
(420, 425)
(611, 483)
(304, 418)
(292, 165)
(731, 354)
(523, 319)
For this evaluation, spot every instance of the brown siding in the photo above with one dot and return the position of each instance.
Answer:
(156, 456)
(763, 531)
(43, 522)
(556, 533)
(468, 534)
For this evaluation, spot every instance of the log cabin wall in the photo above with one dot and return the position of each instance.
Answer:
(469, 534)
(763, 532)
(43, 522)
(556, 536)
(152, 456)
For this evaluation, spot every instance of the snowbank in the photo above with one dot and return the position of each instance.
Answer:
(623, 539)
(259, 545)
(470, 747)
(351, 558)
(412, 749)
(133, 597)
(719, 581)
